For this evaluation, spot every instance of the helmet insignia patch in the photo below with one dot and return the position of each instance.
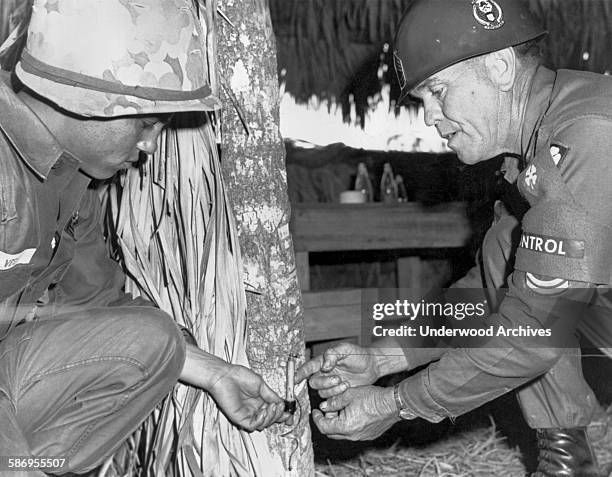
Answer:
(558, 153)
(488, 13)
(399, 70)
(531, 177)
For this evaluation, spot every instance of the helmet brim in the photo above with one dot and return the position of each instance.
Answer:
(425, 75)
(91, 103)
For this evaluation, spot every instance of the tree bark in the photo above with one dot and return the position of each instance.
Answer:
(253, 161)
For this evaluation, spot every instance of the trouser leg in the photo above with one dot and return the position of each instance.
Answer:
(597, 326)
(81, 383)
(561, 398)
(560, 405)
(12, 441)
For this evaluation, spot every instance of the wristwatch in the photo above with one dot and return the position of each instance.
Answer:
(402, 411)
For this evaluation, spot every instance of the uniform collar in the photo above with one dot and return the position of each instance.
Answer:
(537, 104)
(35, 144)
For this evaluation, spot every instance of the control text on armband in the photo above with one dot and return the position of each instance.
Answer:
(552, 245)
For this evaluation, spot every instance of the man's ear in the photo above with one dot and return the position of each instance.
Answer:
(501, 68)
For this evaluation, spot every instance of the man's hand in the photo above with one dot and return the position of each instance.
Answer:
(240, 393)
(338, 368)
(358, 414)
(246, 399)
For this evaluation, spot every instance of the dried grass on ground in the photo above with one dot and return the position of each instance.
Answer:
(473, 453)
(480, 452)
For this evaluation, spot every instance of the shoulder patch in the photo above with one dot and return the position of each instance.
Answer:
(531, 177)
(558, 153)
(545, 285)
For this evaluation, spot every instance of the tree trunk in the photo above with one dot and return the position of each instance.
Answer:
(253, 161)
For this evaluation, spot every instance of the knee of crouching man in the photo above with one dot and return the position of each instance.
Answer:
(158, 339)
(169, 341)
(543, 359)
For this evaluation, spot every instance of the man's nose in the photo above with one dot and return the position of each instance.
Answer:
(148, 141)
(433, 112)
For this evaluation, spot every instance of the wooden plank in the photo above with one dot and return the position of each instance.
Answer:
(330, 315)
(335, 314)
(335, 322)
(377, 226)
(314, 299)
(302, 264)
(410, 277)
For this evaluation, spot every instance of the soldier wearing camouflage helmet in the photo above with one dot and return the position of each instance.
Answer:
(475, 66)
(82, 363)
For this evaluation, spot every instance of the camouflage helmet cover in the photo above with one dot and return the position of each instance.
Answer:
(108, 58)
(435, 34)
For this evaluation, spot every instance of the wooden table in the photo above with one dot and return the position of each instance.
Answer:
(328, 227)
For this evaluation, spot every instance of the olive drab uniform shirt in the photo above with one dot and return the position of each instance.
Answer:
(52, 253)
(567, 232)
(565, 251)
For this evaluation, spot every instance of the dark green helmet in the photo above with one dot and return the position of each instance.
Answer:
(435, 34)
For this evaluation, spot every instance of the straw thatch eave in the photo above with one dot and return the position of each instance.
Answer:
(333, 49)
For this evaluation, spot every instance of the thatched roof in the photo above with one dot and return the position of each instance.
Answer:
(332, 49)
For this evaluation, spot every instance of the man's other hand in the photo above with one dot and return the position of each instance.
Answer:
(341, 366)
(358, 414)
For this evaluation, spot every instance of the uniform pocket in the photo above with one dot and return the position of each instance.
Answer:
(8, 211)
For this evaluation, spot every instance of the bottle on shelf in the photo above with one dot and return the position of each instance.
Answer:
(402, 194)
(363, 183)
(388, 187)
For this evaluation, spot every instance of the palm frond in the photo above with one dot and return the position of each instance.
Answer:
(179, 243)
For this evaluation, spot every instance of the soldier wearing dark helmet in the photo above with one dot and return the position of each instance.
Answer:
(483, 88)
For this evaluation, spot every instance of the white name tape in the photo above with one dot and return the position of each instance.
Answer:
(8, 261)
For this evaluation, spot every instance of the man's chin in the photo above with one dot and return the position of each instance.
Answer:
(469, 159)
